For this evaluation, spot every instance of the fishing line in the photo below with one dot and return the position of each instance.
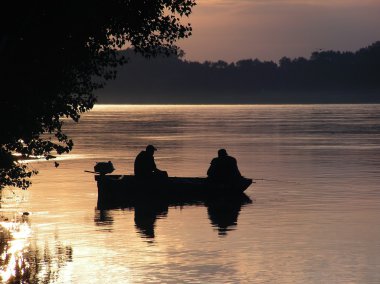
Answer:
(276, 180)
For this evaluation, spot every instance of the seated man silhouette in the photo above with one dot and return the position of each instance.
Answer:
(145, 167)
(223, 168)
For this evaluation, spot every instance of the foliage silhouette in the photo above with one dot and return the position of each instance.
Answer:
(51, 52)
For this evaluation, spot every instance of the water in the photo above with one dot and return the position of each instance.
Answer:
(314, 216)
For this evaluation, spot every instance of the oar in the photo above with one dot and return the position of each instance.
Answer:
(90, 172)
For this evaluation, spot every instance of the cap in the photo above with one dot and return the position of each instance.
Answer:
(151, 148)
(222, 152)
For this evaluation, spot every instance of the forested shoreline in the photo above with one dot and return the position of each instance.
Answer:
(324, 77)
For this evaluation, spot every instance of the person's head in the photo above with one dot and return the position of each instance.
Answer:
(222, 153)
(150, 149)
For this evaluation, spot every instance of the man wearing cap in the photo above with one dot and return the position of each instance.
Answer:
(145, 167)
(223, 168)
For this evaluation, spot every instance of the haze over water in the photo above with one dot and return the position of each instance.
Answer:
(314, 216)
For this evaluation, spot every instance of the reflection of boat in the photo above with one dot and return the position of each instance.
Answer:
(114, 190)
(223, 212)
(146, 216)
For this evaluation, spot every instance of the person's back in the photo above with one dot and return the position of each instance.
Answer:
(144, 163)
(145, 166)
(223, 168)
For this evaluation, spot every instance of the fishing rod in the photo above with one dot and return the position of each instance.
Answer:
(276, 180)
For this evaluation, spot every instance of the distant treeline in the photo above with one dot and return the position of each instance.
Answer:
(326, 77)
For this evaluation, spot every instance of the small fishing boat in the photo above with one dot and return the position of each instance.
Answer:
(123, 190)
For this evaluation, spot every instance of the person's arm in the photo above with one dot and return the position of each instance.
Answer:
(153, 166)
(211, 169)
(236, 169)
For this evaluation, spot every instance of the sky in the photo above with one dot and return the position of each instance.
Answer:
(231, 30)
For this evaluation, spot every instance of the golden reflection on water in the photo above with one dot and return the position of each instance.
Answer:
(314, 218)
(14, 245)
(23, 261)
(22, 258)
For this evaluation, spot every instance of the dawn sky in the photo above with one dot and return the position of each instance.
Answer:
(269, 29)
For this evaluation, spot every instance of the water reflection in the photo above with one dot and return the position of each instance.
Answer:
(25, 262)
(223, 213)
(146, 216)
(103, 217)
(14, 239)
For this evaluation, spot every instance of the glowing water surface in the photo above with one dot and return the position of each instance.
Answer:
(314, 216)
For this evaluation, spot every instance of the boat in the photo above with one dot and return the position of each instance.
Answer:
(127, 190)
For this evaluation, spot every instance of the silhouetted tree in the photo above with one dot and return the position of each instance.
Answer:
(53, 55)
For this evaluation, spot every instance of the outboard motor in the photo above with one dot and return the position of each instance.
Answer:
(104, 168)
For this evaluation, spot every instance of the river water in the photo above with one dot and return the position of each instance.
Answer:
(313, 215)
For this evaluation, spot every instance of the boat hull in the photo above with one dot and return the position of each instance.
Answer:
(126, 190)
